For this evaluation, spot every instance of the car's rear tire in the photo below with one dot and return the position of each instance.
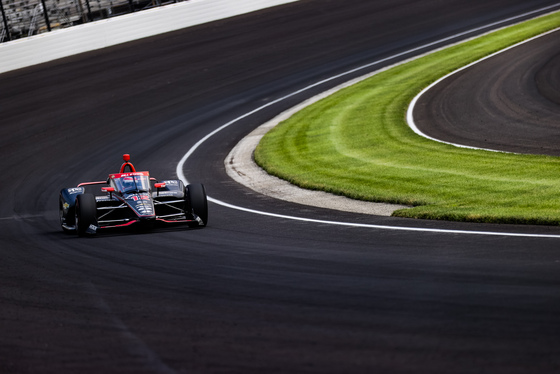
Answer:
(196, 195)
(86, 214)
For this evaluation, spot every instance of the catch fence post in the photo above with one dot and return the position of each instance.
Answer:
(90, 16)
(46, 13)
(5, 20)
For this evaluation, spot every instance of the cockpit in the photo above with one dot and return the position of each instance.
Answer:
(130, 182)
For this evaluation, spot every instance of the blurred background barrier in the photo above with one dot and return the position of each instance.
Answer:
(24, 18)
(87, 36)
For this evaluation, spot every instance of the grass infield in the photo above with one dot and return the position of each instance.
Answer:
(357, 143)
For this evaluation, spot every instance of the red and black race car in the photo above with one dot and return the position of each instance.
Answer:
(132, 198)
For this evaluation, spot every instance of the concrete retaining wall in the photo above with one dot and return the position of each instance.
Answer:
(100, 34)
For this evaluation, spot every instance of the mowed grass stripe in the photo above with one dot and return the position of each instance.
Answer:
(356, 143)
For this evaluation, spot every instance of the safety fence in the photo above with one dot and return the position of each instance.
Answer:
(23, 18)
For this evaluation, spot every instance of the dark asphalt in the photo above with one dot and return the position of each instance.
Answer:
(248, 294)
(511, 102)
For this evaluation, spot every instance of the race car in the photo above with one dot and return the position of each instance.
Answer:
(131, 198)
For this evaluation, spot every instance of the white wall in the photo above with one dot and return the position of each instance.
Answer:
(95, 35)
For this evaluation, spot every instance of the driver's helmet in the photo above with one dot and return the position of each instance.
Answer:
(128, 183)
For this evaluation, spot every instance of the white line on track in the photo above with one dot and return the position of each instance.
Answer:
(181, 164)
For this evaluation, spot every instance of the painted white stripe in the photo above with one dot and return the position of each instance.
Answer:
(382, 227)
(181, 164)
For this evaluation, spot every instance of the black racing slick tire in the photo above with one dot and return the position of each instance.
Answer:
(196, 195)
(86, 215)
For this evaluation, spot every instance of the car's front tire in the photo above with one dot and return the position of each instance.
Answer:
(196, 196)
(86, 214)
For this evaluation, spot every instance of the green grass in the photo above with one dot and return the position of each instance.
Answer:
(356, 143)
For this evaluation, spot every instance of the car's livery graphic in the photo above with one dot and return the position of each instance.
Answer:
(131, 198)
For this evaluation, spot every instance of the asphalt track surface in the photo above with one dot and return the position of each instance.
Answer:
(248, 293)
(510, 102)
